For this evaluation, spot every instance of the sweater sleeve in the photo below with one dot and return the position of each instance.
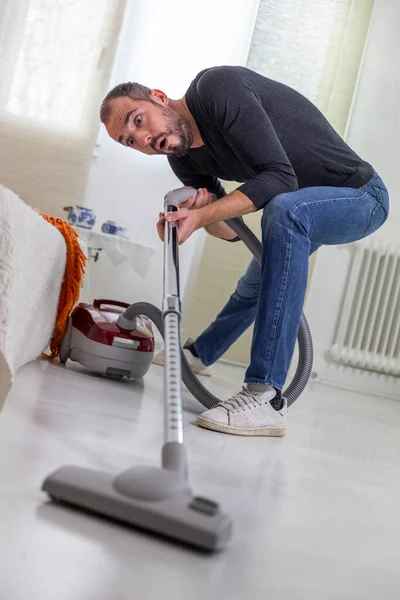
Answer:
(237, 113)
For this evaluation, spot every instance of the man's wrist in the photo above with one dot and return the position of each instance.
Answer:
(221, 231)
(204, 216)
(233, 205)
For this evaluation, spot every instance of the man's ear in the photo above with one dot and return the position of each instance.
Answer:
(159, 97)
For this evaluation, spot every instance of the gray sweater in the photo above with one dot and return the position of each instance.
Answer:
(265, 134)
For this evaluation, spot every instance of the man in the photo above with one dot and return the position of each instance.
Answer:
(237, 125)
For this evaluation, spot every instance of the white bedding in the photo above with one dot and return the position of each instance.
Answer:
(32, 263)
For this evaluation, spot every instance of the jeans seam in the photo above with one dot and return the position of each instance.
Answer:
(331, 200)
(293, 215)
(280, 299)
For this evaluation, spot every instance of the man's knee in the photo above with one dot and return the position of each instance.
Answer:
(278, 208)
(284, 209)
(248, 288)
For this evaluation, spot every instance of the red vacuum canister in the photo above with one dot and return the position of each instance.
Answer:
(94, 339)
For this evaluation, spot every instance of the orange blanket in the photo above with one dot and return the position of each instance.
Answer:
(72, 282)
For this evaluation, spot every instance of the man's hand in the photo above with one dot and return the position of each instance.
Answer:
(202, 198)
(160, 226)
(187, 221)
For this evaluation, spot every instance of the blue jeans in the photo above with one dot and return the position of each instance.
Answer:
(293, 226)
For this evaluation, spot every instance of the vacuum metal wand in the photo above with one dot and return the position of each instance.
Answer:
(171, 314)
(173, 452)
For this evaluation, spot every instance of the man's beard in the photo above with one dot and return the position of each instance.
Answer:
(177, 126)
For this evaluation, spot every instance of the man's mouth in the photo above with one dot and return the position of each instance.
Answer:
(162, 144)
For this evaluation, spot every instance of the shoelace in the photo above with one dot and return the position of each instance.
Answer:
(240, 401)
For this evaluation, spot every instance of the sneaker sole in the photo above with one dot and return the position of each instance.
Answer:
(255, 431)
(206, 372)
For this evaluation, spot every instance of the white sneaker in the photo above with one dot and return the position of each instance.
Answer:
(195, 363)
(246, 413)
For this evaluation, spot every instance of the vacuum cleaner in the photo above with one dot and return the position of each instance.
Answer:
(155, 498)
(159, 498)
(94, 339)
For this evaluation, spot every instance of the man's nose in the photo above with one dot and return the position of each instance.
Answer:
(144, 138)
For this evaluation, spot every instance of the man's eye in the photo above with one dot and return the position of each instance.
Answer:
(130, 141)
(138, 120)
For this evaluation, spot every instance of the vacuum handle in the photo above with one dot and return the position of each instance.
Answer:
(98, 303)
(171, 260)
(177, 197)
(172, 200)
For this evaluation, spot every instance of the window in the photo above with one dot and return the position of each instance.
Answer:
(55, 62)
(51, 54)
(313, 46)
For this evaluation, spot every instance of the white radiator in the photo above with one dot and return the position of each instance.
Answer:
(368, 331)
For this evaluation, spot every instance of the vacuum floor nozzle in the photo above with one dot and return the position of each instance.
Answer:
(151, 498)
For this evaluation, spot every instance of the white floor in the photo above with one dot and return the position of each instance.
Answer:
(317, 513)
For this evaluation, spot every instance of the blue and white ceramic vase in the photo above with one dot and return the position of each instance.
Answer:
(110, 227)
(81, 216)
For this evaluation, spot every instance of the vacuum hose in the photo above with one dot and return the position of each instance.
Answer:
(195, 387)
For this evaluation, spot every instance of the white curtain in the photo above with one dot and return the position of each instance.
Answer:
(55, 61)
(290, 41)
(315, 47)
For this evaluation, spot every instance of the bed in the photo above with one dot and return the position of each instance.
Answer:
(32, 263)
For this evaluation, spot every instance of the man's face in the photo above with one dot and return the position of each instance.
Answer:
(150, 127)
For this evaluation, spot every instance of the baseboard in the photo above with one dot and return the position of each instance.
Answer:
(358, 380)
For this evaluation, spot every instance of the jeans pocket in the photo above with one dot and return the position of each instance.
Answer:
(383, 197)
(378, 217)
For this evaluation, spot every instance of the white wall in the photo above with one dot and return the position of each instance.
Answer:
(3, 4)
(163, 44)
(374, 125)
(373, 131)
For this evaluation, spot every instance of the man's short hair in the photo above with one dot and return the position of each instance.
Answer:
(137, 91)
